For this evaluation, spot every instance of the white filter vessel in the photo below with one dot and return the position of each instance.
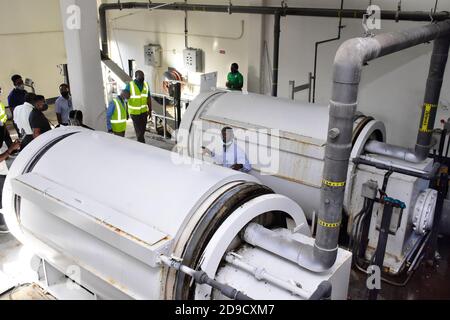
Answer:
(108, 208)
(292, 135)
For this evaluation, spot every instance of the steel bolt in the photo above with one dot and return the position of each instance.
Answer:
(334, 133)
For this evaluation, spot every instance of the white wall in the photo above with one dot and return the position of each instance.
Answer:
(392, 88)
(31, 44)
(238, 35)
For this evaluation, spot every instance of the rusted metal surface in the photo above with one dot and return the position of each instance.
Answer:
(132, 237)
(27, 292)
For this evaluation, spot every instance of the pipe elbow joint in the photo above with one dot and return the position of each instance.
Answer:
(317, 260)
(102, 8)
(351, 57)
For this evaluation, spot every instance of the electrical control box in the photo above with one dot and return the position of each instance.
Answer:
(193, 60)
(153, 55)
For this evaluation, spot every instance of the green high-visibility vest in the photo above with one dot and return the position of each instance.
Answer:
(137, 104)
(3, 116)
(119, 118)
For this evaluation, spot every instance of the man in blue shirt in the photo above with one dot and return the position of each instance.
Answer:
(63, 105)
(17, 95)
(231, 156)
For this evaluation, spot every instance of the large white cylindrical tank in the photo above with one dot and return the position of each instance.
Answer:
(291, 134)
(112, 207)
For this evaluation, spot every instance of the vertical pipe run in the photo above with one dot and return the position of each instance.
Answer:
(186, 31)
(348, 65)
(292, 89)
(337, 156)
(276, 52)
(316, 52)
(131, 67)
(177, 102)
(66, 74)
(104, 31)
(432, 95)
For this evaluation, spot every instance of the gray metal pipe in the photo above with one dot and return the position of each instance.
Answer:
(432, 95)
(267, 10)
(262, 275)
(278, 244)
(428, 118)
(201, 277)
(394, 152)
(348, 65)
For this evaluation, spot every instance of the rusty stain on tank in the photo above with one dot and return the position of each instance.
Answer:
(130, 236)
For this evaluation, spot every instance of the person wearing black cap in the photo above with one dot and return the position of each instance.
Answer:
(17, 95)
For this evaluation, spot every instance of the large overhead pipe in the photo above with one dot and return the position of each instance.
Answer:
(432, 94)
(348, 65)
(267, 10)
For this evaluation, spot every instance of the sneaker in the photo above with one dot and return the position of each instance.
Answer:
(4, 229)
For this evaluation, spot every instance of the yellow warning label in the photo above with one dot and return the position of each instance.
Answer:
(334, 184)
(425, 127)
(329, 225)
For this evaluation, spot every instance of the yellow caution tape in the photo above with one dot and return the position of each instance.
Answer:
(426, 117)
(329, 225)
(334, 184)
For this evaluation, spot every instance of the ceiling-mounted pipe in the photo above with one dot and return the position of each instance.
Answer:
(270, 10)
(312, 12)
(350, 59)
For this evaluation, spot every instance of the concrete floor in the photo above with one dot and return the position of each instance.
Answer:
(427, 283)
(15, 268)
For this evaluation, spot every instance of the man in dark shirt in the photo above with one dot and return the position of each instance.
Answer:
(235, 80)
(17, 95)
(38, 122)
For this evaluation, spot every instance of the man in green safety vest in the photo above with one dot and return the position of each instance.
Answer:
(117, 114)
(139, 104)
